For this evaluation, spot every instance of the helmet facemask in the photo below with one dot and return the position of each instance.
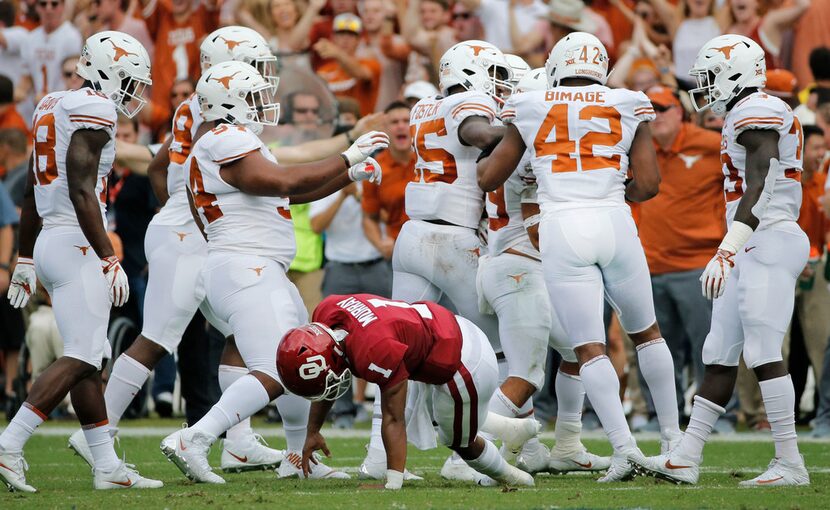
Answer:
(267, 67)
(707, 94)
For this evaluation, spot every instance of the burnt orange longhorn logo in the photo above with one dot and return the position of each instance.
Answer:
(120, 52)
(476, 49)
(226, 80)
(726, 50)
(231, 44)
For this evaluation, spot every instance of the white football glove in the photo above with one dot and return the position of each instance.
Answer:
(117, 282)
(365, 146)
(713, 279)
(23, 283)
(368, 170)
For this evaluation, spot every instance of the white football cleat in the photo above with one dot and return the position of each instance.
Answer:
(456, 469)
(672, 467)
(13, 469)
(373, 467)
(516, 476)
(249, 453)
(190, 454)
(580, 460)
(519, 431)
(622, 463)
(780, 473)
(123, 477)
(534, 458)
(292, 465)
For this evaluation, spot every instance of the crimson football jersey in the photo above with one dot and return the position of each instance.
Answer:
(391, 341)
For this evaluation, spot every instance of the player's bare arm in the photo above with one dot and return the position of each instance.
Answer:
(494, 169)
(393, 428)
(256, 175)
(316, 149)
(157, 172)
(761, 147)
(314, 440)
(646, 181)
(81, 174)
(30, 221)
(333, 186)
(478, 132)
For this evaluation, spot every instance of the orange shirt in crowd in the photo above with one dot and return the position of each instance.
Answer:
(812, 31)
(683, 225)
(389, 196)
(811, 217)
(342, 84)
(176, 53)
(10, 118)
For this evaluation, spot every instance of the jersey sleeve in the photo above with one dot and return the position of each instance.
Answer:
(227, 144)
(87, 109)
(508, 112)
(760, 112)
(181, 132)
(471, 105)
(381, 362)
(643, 109)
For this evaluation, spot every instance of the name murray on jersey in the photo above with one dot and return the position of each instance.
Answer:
(358, 310)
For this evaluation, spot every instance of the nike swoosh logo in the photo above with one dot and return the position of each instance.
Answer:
(237, 457)
(584, 466)
(181, 445)
(746, 250)
(669, 465)
(128, 483)
(7, 468)
(770, 480)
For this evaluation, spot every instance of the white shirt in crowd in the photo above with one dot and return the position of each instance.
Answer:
(11, 63)
(495, 16)
(345, 241)
(43, 55)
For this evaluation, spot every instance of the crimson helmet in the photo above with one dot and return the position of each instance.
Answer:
(311, 362)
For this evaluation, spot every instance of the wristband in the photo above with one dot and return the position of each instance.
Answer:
(394, 479)
(736, 237)
(25, 260)
(532, 220)
(346, 160)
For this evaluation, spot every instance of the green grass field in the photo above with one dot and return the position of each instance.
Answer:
(64, 481)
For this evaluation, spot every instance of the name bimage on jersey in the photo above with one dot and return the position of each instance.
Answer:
(762, 111)
(235, 221)
(579, 138)
(186, 122)
(446, 185)
(505, 223)
(57, 116)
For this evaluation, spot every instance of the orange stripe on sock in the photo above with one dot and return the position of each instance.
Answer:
(95, 425)
(36, 411)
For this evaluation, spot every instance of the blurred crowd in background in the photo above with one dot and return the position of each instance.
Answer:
(344, 60)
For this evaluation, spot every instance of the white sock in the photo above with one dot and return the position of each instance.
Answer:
(294, 412)
(779, 401)
(501, 405)
(657, 367)
(570, 397)
(375, 438)
(603, 389)
(490, 462)
(21, 428)
(241, 400)
(126, 380)
(703, 418)
(99, 440)
(568, 434)
(228, 375)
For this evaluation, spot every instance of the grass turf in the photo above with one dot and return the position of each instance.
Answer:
(64, 481)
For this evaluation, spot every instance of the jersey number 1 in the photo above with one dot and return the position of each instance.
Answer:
(573, 154)
(422, 309)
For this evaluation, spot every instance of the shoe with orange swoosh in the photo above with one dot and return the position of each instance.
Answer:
(576, 460)
(780, 472)
(190, 454)
(673, 467)
(124, 476)
(249, 453)
(13, 469)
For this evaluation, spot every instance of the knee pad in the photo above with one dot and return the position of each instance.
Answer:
(760, 349)
(716, 351)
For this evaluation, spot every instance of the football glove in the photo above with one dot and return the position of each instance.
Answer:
(119, 287)
(368, 170)
(365, 146)
(713, 279)
(23, 283)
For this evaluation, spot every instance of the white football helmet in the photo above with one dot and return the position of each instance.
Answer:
(242, 45)
(235, 92)
(724, 67)
(577, 55)
(518, 67)
(474, 65)
(536, 79)
(118, 66)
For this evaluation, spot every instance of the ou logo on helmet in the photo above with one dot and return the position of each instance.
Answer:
(313, 368)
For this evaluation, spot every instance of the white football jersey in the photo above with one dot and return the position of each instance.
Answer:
(186, 122)
(57, 116)
(762, 111)
(505, 223)
(235, 221)
(43, 55)
(579, 138)
(447, 184)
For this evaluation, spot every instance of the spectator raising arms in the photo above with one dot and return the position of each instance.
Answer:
(382, 44)
(747, 18)
(279, 21)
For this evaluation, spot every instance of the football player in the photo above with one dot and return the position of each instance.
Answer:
(74, 148)
(176, 252)
(583, 138)
(389, 343)
(511, 284)
(241, 197)
(752, 276)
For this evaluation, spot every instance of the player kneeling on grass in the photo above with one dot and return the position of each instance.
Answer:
(389, 343)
